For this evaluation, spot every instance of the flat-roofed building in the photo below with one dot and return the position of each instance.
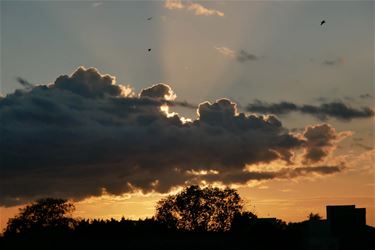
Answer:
(345, 218)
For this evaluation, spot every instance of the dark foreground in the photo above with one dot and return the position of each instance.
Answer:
(148, 234)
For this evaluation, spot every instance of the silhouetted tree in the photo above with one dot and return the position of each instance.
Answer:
(314, 217)
(243, 221)
(200, 209)
(48, 213)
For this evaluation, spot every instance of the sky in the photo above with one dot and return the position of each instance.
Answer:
(88, 113)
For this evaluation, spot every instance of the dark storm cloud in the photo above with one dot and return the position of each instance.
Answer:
(244, 56)
(84, 134)
(338, 110)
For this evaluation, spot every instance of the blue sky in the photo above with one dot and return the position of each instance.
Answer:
(41, 40)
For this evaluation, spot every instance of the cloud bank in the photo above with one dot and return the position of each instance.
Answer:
(337, 110)
(85, 134)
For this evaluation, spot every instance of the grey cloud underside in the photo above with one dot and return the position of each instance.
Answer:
(337, 110)
(241, 177)
(84, 133)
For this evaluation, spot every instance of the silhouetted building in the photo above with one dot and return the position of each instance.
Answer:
(343, 222)
(345, 219)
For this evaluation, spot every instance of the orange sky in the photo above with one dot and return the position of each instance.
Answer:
(284, 199)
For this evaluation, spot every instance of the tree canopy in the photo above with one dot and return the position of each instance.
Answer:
(314, 217)
(200, 209)
(48, 213)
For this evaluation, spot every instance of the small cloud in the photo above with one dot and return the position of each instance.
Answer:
(174, 4)
(321, 99)
(244, 56)
(357, 139)
(286, 190)
(226, 51)
(198, 9)
(366, 96)
(363, 146)
(96, 4)
(26, 84)
(333, 62)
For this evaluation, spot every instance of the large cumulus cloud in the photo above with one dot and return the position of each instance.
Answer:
(84, 134)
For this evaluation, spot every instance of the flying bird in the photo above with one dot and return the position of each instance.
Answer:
(149, 18)
(322, 22)
(149, 50)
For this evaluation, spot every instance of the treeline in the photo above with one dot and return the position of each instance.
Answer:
(196, 218)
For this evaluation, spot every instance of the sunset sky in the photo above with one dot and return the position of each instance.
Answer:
(256, 95)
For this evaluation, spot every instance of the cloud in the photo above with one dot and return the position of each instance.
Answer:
(198, 9)
(273, 108)
(242, 56)
(363, 146)
(226, 51)
(158, 91)
(96, 4)
(337, 110)
(333, 62)
(321, 141)
(85, 134)
(24, 83)
(245, 56)
(89, 83)
(366, 96)
(174, 4)
(242, 177)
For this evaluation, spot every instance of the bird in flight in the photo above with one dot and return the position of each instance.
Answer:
(149, 50)
(322, 22)
(149, 18)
